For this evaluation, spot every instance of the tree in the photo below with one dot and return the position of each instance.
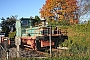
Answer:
(84, 7)
(8, 24)
(37, 18)
(60, 10)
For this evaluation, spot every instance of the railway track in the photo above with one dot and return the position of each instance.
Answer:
(55, 52)
(27, 52)
(35, 53)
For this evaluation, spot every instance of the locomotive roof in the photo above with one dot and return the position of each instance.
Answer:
(27, 19)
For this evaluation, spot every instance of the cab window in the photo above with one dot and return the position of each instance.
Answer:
(24, 23)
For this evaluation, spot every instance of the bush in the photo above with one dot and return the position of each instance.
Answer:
(12, 34)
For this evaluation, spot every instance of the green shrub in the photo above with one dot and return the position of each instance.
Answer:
(12, 34)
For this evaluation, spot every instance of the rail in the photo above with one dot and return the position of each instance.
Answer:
(2, 53)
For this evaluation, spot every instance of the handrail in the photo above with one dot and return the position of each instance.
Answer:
(2, 48)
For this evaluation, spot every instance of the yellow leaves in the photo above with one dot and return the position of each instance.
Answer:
(61, 11)
(71, 20)
(53, 20)
(61, 17)
(72, 15)
(63, 7)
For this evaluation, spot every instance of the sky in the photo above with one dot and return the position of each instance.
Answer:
(22, 8)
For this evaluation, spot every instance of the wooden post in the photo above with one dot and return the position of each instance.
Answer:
(17, 43)
(50, 43)
(17, 50)
(7, 54)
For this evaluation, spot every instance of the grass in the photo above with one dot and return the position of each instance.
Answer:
(78, 42)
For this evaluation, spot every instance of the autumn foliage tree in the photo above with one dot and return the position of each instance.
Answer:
(60, 10)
